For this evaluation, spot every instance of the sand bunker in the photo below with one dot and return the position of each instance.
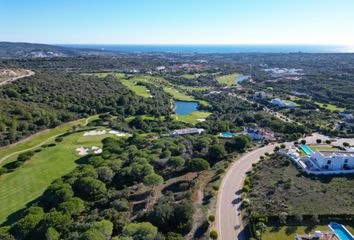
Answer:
(201, 119)
(95, 133)
(119, 134)
(82, 151)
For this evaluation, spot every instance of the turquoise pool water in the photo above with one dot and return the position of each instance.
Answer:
(341, 231)
(228, 134)
(306, 149)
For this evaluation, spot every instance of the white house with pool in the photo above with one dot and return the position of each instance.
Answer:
(334, 160)
(322, 161)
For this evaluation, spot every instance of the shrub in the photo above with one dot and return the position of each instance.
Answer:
(25, 156)
(211, 218)
(59, 139)
(213, 235)
(246, 189)
(247, 181)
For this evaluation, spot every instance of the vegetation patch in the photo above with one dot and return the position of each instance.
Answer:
(327, 106)
(193, 117)
(229, 79)
(277, 187)
(27, 182)
(139, 90)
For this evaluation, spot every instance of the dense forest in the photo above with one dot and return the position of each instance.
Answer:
(50, 98)
(119, 194)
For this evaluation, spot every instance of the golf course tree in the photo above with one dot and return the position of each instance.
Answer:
(50, 98)
(240, 143)
(122, 193)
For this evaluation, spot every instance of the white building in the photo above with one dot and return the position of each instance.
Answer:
(186, 131)
(333, 160)
(258, 134)
(280, 103)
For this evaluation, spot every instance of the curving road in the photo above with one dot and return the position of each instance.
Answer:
(228, 217)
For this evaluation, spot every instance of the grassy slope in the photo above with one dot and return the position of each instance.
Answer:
(39, 138)
(139, 90)
(228, 79)
(178, 95)
(29, 181)
(288, 233)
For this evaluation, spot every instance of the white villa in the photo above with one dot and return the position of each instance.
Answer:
(281, 103)
(323, 161)
(186, 131)
(333, 160)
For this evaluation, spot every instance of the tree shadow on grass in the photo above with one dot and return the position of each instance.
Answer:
(15, 216)
(309, 229)
(290, 230)
(275, 229)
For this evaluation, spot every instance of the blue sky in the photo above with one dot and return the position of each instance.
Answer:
(178, 21)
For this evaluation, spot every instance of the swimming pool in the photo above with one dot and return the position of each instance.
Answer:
(306, 149)
(341, 231)
(228, 134)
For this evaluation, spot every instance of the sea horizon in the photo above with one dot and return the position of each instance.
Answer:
(216, 48)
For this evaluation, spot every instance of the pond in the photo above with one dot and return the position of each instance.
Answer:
(242, 78)
(184, 107)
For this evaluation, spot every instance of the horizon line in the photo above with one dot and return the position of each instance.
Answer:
(191, 44)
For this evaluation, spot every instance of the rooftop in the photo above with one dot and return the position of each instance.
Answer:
(329, 153)
(318, 236)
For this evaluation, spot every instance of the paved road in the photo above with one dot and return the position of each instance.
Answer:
(228, 218)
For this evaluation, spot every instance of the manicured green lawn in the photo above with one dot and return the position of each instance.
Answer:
(190, 88)
(128, 119)
(322, 147)
(138, 89)
(330, 107)
(177, 95)
(228, 79)
(40, 138)
(192, 117)
(29, 181)
(192, 76)
(288, 233)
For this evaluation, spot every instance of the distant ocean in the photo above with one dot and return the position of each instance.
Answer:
(217, 48)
